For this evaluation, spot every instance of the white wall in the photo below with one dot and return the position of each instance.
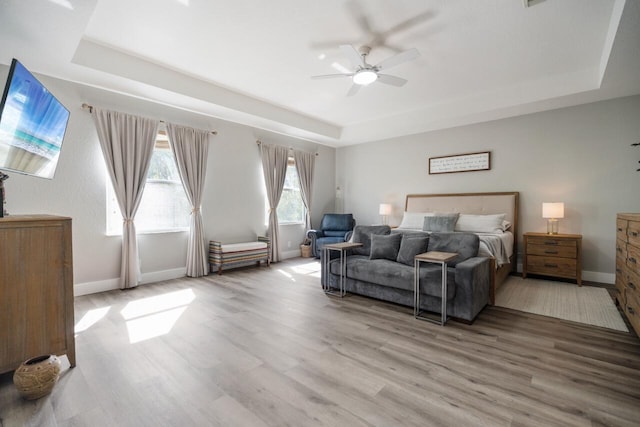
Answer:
(578, 155)
(233, 205)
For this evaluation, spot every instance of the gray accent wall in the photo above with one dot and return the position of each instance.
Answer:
(577, 155)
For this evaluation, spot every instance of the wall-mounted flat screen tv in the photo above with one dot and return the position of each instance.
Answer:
(32, 125)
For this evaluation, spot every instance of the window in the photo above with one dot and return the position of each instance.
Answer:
(291, 208)
(164, 205)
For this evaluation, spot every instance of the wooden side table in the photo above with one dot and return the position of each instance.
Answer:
(555, 255)
(441, 258)
(326, 262)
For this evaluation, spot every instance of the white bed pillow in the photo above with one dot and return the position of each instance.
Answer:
(480, 223)
(414, 220)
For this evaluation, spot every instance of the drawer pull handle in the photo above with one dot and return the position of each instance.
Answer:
(631, 285)
(631, 310)
(551, 265)
(551, 243)
(619, 229)
(634, 233)
(633, 260)
(550, 252)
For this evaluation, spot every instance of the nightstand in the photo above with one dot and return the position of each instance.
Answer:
(555, 255)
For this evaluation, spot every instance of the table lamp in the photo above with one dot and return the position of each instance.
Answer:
(552, 211)
(385, 211)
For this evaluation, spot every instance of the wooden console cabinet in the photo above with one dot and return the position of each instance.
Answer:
(36, 289)
(555, 255)
(628, 267)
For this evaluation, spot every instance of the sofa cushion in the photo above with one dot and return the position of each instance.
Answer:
(396, 275)
(464, 244)
(335, 233)
(385, 247)
(410, 246)
(362, 234)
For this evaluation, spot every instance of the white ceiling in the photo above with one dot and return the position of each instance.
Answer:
(250, 61)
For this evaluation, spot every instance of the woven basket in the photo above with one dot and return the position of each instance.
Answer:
(305, 250)
(37, 376)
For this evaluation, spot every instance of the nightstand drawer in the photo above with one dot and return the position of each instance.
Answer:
(551, 242)
(561, 267)
(562, 251)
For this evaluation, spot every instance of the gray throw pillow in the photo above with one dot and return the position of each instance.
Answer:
(444, 223)
(410, 247)
(362, 234)
(385, 247)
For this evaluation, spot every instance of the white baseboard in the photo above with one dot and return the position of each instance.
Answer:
(111, 284)
(290, 254)
(590, 276)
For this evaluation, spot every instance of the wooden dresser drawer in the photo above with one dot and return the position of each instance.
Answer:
(632, 310)
(633, 257)
(632, 283)
(621, 250)
(560, 267)
(621, 229)
(562, 251)
(633, 233)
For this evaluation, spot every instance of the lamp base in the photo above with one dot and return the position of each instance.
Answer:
(552, 226)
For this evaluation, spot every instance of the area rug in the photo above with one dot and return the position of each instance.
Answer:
(586, 304)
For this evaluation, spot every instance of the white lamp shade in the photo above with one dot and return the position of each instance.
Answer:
(385, 209)
(553, 210)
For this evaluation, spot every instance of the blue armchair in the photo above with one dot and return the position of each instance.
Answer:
(334, 228)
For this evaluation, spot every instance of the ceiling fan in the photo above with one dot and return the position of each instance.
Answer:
(365, 74)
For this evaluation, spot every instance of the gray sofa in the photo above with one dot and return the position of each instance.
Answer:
(383, 268)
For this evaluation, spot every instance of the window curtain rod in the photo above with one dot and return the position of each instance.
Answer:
(90, 108)
(290, 148)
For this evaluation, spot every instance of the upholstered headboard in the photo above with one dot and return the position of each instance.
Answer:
(469, 203)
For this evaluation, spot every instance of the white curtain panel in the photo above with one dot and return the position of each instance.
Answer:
(190, 148)
(127, 144)
(274, 168)
(305, 164)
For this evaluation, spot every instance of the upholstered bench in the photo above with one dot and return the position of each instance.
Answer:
(236, 254)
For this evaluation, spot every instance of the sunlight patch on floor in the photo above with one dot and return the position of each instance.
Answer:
(155, 316)
(90, 318)
(153, 325)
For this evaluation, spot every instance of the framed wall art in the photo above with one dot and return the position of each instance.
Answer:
(460, 163)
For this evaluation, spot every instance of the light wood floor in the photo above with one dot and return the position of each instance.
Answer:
(258, 347)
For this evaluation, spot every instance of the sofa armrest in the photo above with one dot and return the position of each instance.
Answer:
(473, 282)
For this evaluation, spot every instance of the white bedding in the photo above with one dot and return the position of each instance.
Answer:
(497, 245)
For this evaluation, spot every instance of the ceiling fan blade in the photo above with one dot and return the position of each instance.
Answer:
(355, 9)
(331, 76)
(352, 54)
(398, 59)
(391, 80)
(354, 89)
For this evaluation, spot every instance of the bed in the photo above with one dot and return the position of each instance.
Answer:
(500, 246)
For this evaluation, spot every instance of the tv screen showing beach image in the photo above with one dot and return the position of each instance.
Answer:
(32, 125)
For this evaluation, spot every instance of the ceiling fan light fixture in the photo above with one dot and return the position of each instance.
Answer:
(365, 77)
